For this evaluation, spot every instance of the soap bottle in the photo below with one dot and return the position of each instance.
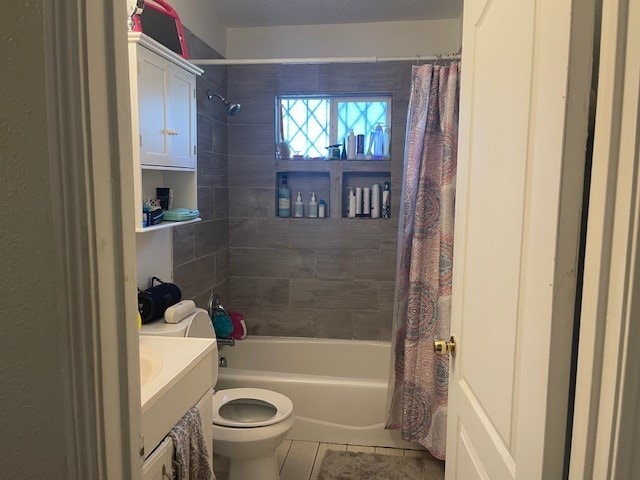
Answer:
(322, 207)
(313, 206)
(284, 199)
(386, 200)
(351, 145)
(378, 142)
(351, 211)
(375, 200)
(298, 206)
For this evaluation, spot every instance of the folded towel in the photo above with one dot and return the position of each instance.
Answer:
(191, 454)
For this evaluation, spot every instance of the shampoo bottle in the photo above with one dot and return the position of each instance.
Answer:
(351, 212)
(313, 206)
(358, 202)
(375, 200)
(366, 202)
(386, 200)
(298, 207)
(284, 199)
(351, 145)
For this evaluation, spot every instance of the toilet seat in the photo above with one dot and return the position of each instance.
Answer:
(249, 407)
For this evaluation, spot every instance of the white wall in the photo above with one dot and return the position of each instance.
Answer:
(198, 16)
(32, 384)
(346, 40)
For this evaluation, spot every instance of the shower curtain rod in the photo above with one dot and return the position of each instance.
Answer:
(264, 61)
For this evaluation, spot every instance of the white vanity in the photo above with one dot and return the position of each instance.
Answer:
(175, 374)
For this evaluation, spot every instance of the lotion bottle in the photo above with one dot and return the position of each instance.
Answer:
(366, 202)
(375, 200)
(351, 212)
(358, 202)
(351, 145)
(298, 207)
(313, 206)
(284, 199)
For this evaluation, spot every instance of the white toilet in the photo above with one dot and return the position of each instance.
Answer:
(248, 423)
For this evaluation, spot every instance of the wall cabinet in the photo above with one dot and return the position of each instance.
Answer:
(163, 124)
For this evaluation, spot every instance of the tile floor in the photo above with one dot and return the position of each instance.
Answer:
(300, 460)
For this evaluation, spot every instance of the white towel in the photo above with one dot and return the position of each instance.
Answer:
(191, 454)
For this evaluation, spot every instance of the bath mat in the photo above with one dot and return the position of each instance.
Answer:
(341, 465)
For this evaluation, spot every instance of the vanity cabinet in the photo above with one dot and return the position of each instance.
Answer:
(159, 465)
(163, 124)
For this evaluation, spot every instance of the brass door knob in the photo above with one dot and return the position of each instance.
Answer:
(442, 347)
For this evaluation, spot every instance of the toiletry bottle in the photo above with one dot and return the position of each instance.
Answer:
(386, 153)
(386, 200)
(343, 155)
(351, 145)
(360, 147)
(284, 199)
(366, 202)
(322, 207)
(298, 206)
(358, 202)
(378, 142)
(375, 200)
(351, 212)
(313, 206)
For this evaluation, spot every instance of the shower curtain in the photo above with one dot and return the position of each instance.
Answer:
(422, 306)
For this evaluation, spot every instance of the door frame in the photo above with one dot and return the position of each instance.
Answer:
(606, 426)
(88, 111)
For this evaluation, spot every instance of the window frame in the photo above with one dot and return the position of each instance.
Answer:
(334, 100)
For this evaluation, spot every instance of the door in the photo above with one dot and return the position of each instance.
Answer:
(182, 117)
(523, 120)
(153, 93)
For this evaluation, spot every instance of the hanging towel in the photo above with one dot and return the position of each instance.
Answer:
(191, 454)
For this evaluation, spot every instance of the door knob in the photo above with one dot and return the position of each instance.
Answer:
(442, 347)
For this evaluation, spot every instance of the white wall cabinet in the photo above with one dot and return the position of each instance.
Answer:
(163, 124)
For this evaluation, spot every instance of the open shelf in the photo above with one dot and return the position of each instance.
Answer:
(163, 225)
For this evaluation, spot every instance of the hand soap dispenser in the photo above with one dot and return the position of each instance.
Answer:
(298, 206)
(313, 206)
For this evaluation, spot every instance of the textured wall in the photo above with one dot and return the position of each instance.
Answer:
(201, 250)
(331, 278)
(31, 380)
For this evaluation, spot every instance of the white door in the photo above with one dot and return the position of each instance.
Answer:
(153, 94)
(182, 117)
(520, 170)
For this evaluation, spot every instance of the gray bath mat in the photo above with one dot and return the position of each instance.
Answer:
(340, 465)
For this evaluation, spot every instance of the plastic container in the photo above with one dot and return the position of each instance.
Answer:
(375, 200)
(351, 145)
(351, 211)
(298, 207)
(284, 199)
(313, 206)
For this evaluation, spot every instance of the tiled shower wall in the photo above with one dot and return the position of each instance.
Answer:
(331, 278)
(201, 250)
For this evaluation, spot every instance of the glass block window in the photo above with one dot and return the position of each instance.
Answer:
(312, 123)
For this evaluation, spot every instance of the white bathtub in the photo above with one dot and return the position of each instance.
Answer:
(338, 387)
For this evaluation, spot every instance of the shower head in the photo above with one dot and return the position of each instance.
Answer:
(232, 108)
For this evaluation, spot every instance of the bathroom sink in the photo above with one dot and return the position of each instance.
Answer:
(150, 365)
(175, 372)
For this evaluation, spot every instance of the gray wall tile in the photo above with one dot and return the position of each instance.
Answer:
(195, 277)
(375, 265)
(220, 202)
(183, 244)
(259, 292)
(281, 321)
(261, 233)
(222, 266)
(211, 236)
(336, 294)
(205, 203)
(252, 202)
(371, 326)
(335, 234)
(212, 169)
(261, 262)
(335, 265)
(245, 171)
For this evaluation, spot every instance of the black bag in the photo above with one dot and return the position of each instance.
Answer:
(153, 301)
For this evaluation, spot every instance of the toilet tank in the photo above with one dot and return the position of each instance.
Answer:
(196, 325)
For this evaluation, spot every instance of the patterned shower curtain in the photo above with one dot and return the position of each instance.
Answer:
(422, 306)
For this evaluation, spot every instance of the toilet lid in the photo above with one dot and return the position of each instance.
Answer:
(249, 407)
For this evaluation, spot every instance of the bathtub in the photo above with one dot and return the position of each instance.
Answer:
(338, 387)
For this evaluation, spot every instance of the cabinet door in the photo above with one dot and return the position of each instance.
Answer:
(153, 87)
(181, 123)
(158, 465)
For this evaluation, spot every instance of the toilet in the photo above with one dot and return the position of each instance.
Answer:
(248, 423)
